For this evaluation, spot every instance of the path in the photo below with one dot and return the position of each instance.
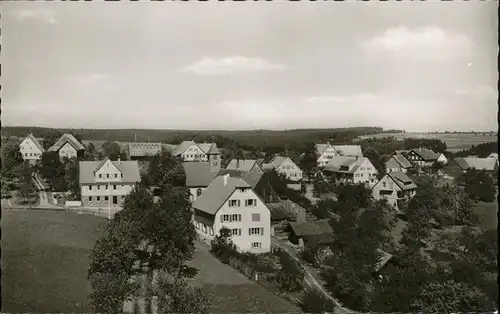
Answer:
(309, 278)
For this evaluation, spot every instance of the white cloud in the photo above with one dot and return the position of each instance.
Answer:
(427, 41)
(232, 65)
(481, 92)
(45, 15)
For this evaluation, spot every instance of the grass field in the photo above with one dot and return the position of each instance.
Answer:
(45, 255)
(454, 142)
(487, 213)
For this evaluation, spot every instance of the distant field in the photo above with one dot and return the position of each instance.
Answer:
(454, 142)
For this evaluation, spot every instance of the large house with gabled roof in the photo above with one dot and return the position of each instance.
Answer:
(139, 150)
(199, 175)
(31, 149)
(230, 202)
(457, 166)
(67, 146)
(422, 157)
(191, 151)
(398, 163)
(106, 183)
(326, 152)
(351, 170)
(393, 187)
(284, 166)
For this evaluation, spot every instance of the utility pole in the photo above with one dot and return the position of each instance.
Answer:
(109, 200)
(135, 137)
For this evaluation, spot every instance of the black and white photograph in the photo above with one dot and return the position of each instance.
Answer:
(249, 156)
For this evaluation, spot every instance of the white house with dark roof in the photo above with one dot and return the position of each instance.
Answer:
(191, 151)
(394, 186)
(31, 149)
(422, 157)
(105, 183)
(140, 150)
(199, 175)
(398, 163)
(326, 152)
(284, 166)
(351, 170)
(230, 202)
(67, 146)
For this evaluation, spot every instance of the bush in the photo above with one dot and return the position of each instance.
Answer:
(314, 301)
(291, 275)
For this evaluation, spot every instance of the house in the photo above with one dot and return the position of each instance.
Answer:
(258, 180)
(199, 175)
(422, 157)
(106, 183)
(284, 166)
(458, 166)
(141, 150)
(398, 163)
(67, 146)
(327, 151)
(31, 149)
(351, 170)
(245, 165)
(191, 151)
(230, 202)
(403, 152)
(287, 210)
(394, 186)
(310, 232)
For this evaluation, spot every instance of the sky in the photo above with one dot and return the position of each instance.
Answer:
(417, 66)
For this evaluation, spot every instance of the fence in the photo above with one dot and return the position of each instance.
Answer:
(73, 203)
(250, 272)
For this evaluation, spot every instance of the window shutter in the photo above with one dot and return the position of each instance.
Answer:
(230, 218)
(249, 229)
(221, 218)
(239, 231)
(261, 231)
(239, 217)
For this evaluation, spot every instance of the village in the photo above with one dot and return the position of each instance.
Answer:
(273, 203)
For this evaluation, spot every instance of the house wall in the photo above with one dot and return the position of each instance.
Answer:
(29, 150)
(67, 151)
(386, 184)
(193, 193)
(214, 160)
(414, 158)
(94, 195)
(194, 153)
(366, 173)
(442, 159)
(329, 153)
(290, 170)
(108, 173)
(244, 241)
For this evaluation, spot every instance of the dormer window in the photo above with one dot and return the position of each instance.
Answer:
(116, 176)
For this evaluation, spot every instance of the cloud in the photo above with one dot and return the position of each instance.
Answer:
(424, 41)
(89, 78)
(45, 15)
(480, 92)
(232, 65)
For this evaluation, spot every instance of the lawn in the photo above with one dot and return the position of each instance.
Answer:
(45, 255)
(487, 213)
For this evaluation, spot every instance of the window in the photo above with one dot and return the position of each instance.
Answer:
(114, 187)
(259, 231)
(98, 198)
(106, 198)
(31, 154)
(204, 228)
(235, 232)
(234, 203)
(384, 184)
(90, 198)
(235, 217)
(116, 175)
(90, 187)
(197, 225)
(256, 245)
(255, 217)
(198, 192)
(211, 231)
(107, 175)
(98, 187)
(250, 202)
(225, 218)
(106, 187)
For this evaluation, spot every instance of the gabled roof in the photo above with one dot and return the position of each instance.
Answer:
(129, 169)
(209, 148)
(217, 194)
(321, 148)
(66, 138)
(277, 161)
(383, 259)
(344, 164)
(242, 164)
(402, 180)
(426, 154)
(168, 147)
(182, 147)
(402, 161)
(144, 149)
(311, 228)
(198, 174)
(250, 177)
(349, 150)
(488, 164)
(36, 142)
(401, 152)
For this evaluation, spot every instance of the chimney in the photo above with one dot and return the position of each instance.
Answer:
(226, 176)
(119, 160)
(237, 162)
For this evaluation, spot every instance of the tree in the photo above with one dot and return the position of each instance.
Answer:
(356, 194)
(72, 177)
(176, 296)
(222, 246)
(90, 152)
(309, 161)
(113, 151)
(166, 170)
(313, 301)
(51, 139)
(376, 159)
(53, 171)
(291, 275)
(479, 185)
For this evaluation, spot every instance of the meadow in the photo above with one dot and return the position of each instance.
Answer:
(454, 141)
